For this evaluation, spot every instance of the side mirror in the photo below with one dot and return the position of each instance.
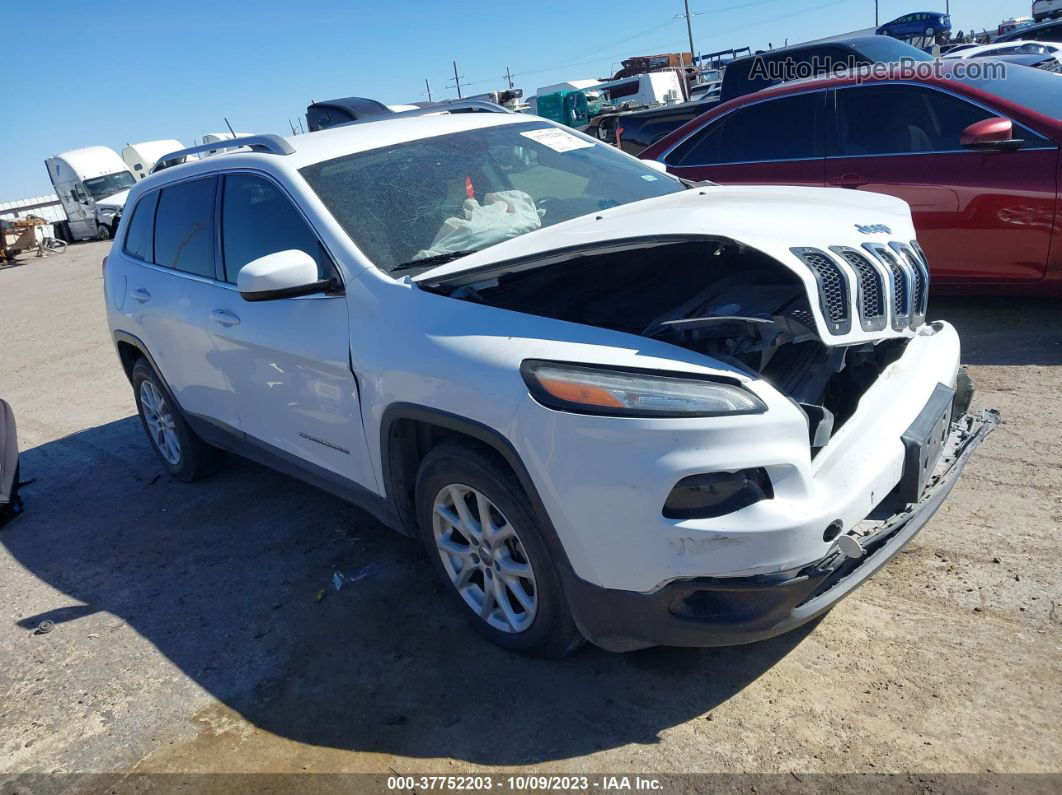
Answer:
(995, 133)
(655, 165)
(284, 274)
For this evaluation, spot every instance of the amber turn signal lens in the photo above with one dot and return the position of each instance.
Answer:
(580, 393)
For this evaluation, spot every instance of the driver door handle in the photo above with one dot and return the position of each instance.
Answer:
(848, 181)
(141, 295)
(225, 318)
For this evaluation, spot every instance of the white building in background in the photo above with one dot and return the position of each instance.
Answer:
(47, 207)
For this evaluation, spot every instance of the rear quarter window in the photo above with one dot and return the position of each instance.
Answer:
(139, 240)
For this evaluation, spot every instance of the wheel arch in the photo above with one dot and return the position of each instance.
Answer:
(409, 431)
(130, 348)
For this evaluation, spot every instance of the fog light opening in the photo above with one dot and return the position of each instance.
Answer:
(717, 493)
(832, 531)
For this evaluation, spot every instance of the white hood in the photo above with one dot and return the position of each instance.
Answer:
(769, 218)
(115, 202)
(773, 220)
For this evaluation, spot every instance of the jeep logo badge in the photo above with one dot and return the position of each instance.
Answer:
(874, 229)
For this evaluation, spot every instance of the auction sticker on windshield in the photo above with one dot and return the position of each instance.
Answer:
(557, 140)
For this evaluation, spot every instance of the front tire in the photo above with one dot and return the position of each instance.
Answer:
(484, 541)
(103, 232)
(183, 454)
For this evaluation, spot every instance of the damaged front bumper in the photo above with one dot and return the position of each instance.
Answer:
(721, 611)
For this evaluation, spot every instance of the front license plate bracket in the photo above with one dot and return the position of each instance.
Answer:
(924, 442)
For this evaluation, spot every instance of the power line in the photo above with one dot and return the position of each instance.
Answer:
(733, 8)
(715, 34)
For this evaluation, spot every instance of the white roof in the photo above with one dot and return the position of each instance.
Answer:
(338, 141)
(568, 85)
(93, 161)
(988, 49)
(153, 150)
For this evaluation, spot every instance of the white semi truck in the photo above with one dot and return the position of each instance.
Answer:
(92, 184)
(142, 157)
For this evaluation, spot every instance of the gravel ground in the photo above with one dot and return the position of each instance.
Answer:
(197, 629)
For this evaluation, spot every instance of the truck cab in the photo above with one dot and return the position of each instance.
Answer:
(92, 184)
(141, 158)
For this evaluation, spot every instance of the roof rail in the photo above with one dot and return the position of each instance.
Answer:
(273, 144)
(457, 106)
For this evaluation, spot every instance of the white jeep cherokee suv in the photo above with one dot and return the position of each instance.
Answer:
(612, 405)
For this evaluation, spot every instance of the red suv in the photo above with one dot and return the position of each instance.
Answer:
(975, 157)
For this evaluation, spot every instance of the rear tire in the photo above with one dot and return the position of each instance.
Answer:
(183, 454)
(503, 578)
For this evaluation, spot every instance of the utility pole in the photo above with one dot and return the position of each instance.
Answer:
(689, 30)
(876, 23)
(509, 77)
(427, 89)
(457, 81)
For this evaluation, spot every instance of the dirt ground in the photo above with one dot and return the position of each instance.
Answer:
(197, 628)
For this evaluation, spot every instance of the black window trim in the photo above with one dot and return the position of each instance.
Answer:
(211, 175)
(219, 252)
(219, 272)
(129, 228)
(667, 154)
(832, 122)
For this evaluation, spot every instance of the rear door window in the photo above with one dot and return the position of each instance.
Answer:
(183, 238)
(258, 219)
(139, 240)
(778, 129)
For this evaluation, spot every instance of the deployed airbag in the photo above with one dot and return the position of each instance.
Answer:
(502, 215)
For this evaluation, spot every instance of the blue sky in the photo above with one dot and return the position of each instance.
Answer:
(79, 74)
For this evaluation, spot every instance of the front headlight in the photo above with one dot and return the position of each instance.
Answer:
(628, 393)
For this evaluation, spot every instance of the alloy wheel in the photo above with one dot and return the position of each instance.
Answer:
(484, 558)
(160, 422)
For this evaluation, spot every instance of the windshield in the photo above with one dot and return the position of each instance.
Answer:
(420, 203)
(102, 187)
(1035, 89)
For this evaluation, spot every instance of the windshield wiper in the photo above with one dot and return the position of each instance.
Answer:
(427, 262)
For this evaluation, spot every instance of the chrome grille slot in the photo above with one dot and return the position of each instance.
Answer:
(870, 288)
(921, 255)
(919, 282)
(899, 284)
(834, 290)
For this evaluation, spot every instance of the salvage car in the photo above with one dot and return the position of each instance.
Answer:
(975, 154)
(922, 24)
(612, 406)
(1049, 30)
(1044, 48)
(633, 131)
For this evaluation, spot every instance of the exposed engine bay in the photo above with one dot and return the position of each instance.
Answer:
(716, 297)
